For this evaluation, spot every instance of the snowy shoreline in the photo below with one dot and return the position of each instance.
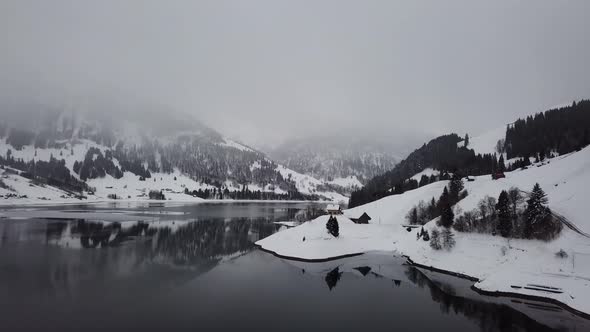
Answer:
(318, 260)
(409, 261)
(499, 293)
(497, 265)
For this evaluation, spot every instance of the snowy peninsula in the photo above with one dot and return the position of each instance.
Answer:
(557, 270)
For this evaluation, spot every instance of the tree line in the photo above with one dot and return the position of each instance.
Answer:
(442, 153)
(53, 172)
(511, 216)
(560, 130)
(247, 194)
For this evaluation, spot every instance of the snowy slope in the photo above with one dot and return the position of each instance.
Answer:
(309, 185)
(486, 142)
(499, 264)
(194, 153)
(350, 182)
(129, 186)
(151, 138)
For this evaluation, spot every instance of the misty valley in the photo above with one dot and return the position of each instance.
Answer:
(167, 224)
(324, 165)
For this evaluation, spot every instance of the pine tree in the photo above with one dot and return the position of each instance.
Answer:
(432, 211)
(504, 215)
(412, 216)
(455, 187)
(424, 180)
(536, 212)
(501, 165)
(448, 239)
(466, 140)
(332, 226)
(435, 240)
(515, 199)
(446, 211)
(425, 235)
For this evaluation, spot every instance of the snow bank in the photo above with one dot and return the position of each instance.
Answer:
(311, 240)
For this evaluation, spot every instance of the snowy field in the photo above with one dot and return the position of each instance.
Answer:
(524, 267)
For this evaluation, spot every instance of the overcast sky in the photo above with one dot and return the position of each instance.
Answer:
(268, 70)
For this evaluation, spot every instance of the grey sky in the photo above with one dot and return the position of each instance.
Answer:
(267, 70)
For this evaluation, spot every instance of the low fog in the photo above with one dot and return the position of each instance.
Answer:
(267, 71)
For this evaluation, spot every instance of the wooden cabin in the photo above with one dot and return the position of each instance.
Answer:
(333, 209)
(363, 219)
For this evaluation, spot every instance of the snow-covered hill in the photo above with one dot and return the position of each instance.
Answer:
(500, 264)
(132, 155)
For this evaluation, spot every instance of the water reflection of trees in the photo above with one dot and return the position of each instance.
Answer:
(186, 244)
(210, 239)
(489, 316)
(333, 277)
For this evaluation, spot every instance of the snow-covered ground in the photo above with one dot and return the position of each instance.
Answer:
(486, 142)
(500, 265)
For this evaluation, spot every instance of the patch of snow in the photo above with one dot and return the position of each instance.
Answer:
(486, 142)
(428, 172)
(236, 145)
(348, 182)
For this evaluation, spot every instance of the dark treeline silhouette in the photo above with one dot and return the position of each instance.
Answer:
(190, 244)
(245, 193)
(560, 130)
(97, 165)
(53, 172)
(442, 153)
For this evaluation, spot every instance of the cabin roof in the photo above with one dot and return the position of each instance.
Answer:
(364, 215)
(333, 207)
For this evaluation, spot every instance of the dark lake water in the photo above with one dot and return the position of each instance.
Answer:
(195, 267)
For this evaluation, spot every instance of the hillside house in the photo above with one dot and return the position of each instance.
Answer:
(333, 209)
(363, 219)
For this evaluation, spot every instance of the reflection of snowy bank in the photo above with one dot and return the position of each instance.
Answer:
(452, 293)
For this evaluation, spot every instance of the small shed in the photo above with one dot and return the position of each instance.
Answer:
(333, 209)
(499, 175)
(363, 219)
